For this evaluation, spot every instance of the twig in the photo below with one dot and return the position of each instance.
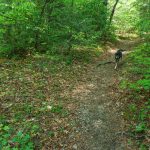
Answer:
(105, 62)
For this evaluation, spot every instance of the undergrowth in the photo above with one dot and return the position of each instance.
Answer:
(138, 87)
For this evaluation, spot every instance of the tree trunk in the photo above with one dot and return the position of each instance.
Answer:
(113, 11)
(36, 46)
(70, 37)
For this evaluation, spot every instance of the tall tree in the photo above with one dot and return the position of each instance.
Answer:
(113, 11)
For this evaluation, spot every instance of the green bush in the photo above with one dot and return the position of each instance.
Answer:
(139, 84)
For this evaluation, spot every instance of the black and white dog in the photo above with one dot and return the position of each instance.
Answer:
(118, 56)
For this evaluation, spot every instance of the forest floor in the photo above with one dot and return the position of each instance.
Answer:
(63, 107)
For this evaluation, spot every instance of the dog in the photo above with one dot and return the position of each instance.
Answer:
(118, 56)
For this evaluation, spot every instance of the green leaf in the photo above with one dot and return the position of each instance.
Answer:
(6, 128)
(4, 142)
(140, 127)
(19, 134)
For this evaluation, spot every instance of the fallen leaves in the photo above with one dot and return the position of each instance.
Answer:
(36, 99)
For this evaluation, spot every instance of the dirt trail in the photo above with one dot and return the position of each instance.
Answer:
(99, 113)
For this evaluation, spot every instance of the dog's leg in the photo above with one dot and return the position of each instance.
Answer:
(121, 58)
(116, 65)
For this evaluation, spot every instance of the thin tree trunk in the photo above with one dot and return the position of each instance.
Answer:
(113, 11)
(41, 15)
(71, 33)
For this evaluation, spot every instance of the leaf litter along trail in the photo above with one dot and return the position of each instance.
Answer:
(99, 113)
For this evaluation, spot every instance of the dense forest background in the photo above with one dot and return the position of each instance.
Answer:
(51, 26)
(45, 50)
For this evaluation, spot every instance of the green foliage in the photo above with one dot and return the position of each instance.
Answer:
(143, 147)
(140, 127)
(126, 17)
(18, 141)
(57, 109)
(56, 27)
(145, 83)
(141, 61)
(144, 21)
(18, 31)
(138, 112)
(132, 17)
